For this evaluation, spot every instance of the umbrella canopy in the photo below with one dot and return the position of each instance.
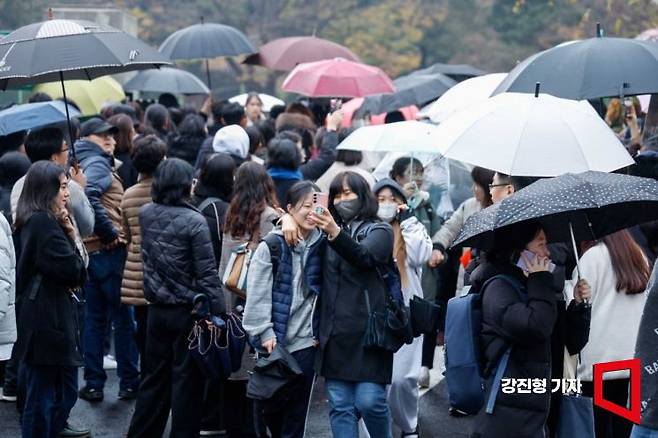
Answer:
(458, 72)
(413, 89)
(337, 78)
(268, 101)
(206, 40)
(89, 96)
(588, 69)
(409, 136)
(350, 111)
(286, 53)
(33, 115)
(167, 80)
(523, 135)
(72, 49)
(593, 203)
(464, 94)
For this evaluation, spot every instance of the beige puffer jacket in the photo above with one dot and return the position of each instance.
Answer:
(132, 285)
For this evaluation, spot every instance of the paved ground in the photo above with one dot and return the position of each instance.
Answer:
(110, 418)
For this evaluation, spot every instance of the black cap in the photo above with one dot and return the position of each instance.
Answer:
(97, 126)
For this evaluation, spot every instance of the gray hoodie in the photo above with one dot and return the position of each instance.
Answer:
(257, 319)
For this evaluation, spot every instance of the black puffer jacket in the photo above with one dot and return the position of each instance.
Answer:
(509, 321)
(178, 256)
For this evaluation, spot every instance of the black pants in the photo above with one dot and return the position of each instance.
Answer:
(171, 378)
(289, 418)
(607, 424)
(213, 405)
(239, 414)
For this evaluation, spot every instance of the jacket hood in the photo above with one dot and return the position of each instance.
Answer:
(314, 237)
(487, 270)
(391, 184)
(85, 149)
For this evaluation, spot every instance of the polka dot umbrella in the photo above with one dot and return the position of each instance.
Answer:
(570, 207)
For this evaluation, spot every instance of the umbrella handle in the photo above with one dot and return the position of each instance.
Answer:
(68, 120)
(575, 249)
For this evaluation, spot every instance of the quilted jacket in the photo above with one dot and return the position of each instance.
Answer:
(178, 256)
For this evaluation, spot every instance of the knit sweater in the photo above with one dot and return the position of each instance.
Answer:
(615, 314)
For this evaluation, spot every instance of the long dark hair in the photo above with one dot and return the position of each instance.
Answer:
(510, 241)
(483, 177)
(40, 190)
(123, 137)
(628, 262)
(216, 178)
(360, 187)
(253, 191)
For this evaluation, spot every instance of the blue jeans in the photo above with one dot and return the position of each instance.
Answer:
(643, 432)
(51, 393)
(103, 295)
(351, 400)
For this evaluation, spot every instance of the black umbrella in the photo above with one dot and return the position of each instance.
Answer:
(205, 41)
(588, 69)
(570, 207)
(458, 72)
(412, 89)
(272, 373)
(166, 80)
(70, 49)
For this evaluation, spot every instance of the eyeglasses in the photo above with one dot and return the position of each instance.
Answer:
(491, 186)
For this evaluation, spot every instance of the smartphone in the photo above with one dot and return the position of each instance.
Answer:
(530, 256)
(335, 105)
(320, 202)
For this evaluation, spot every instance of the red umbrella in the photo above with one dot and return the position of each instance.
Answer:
(337, 78)
(286, 53)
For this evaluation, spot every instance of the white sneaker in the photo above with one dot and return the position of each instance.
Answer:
(424, 378)
(109, 363)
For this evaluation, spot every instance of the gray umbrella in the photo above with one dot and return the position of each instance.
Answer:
(166, 80)
(205, 41)
(588, 69)
(458, 72)
(412, 89)
(70, 49)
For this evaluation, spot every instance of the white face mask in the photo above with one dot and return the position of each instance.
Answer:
(387, 211)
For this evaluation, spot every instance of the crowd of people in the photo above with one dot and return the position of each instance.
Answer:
(112, 228)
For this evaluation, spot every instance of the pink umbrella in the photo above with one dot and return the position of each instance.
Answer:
(337, 78)
(286, 53)
(349, 108)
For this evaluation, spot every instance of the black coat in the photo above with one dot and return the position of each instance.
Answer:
(178, 256)
(48, 268)
(126, 171)
(185, 147)
(526, 327)
(349, 270)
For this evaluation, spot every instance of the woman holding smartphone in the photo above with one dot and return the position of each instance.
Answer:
(284, 285)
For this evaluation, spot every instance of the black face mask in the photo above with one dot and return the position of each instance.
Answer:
(348, 210)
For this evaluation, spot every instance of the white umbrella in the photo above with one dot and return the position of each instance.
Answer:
(464, 94)
(268, 101)
(409, 136)
(532, 135)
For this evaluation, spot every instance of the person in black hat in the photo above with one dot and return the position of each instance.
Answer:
(107, 254)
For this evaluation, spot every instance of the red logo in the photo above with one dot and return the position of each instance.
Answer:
(634, 366)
